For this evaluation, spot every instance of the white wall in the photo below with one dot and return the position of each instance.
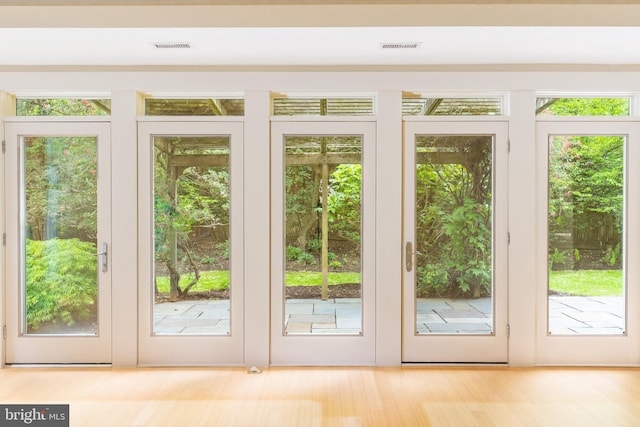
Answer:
(520, 87)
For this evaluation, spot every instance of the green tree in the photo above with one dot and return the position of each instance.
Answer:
(187, 199)
(453, 215)
(61, 187)
(344, 201)
(63, 107)
(586, 184)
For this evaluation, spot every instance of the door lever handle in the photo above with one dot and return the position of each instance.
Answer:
(104, 257)
(408, 256)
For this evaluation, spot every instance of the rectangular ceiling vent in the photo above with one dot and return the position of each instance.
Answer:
(400, 45)
(172, 45)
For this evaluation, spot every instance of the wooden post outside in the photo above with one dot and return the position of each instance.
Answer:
(325, 232)
(173, 234)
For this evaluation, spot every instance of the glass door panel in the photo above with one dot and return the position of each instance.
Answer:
(586, 307)
(62, 188)
(455, 263)
(322, 250)
(323, 186)
(454, 286)
(585, 228)
(59, 204)
(191, 234)
(191, 310)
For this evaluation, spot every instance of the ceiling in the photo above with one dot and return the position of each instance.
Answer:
(268, 34)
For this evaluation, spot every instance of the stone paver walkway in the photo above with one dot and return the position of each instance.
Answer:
(192, 317)
(586, 315)
(454, 316)
(333, 316)
(567, 316)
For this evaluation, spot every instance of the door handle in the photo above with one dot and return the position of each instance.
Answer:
(104, 257)
(408, 256)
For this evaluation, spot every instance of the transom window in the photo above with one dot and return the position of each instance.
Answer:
(200, 106)
(602, 106)
(329, 106)
(417, 105)
(63, 107)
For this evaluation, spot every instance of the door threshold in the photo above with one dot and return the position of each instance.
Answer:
(456, 364)
(57, 365)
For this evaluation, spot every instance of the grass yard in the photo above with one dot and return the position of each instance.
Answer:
(209, 280)
(566, 282)
(219, 280)
(312, 278)
(586, 282)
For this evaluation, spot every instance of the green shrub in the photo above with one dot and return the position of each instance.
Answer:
(306, 258)
(432, 280)
(61, 281)
(293, 252)
(468, 250)
(335, 265)
(315, 244)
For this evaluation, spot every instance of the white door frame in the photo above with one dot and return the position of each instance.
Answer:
(621, 349)
(168, 349)
(326, 349)
(24, 348)
(458, 348)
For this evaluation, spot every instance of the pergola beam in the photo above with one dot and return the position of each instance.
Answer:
(323, 158)
(198, 160)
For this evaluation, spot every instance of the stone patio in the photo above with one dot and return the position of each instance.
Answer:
(568, 316)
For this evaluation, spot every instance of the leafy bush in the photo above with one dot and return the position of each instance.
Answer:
(306, 258)
(433, 280)
(613, 256)
(315, 245)
(463, 263)
(61, 281)
(292, 253)
(335, 265)
(344, 201)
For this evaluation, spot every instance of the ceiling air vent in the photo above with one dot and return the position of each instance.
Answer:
(172, 45)
(400, 45)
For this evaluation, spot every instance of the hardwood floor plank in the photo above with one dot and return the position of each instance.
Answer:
(328, 397)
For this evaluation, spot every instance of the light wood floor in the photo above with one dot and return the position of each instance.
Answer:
(280, 397)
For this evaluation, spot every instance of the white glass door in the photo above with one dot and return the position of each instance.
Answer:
(455, 233)
(323, 248)
(58, 240)
(191, 243)
(587, 298)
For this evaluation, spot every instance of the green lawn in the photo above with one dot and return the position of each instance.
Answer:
(312, 278)
(218, 280)
(567, 282)
(586, 282)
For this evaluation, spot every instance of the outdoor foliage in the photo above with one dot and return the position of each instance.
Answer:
(344, 201)
(189, 202)
(61, 187)
(61, 277)
(586, 192)
(587, 107)
(302, 204)
(60, 177)
(453, 216)
(303, 209)
(63, 107)
(304, 199)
